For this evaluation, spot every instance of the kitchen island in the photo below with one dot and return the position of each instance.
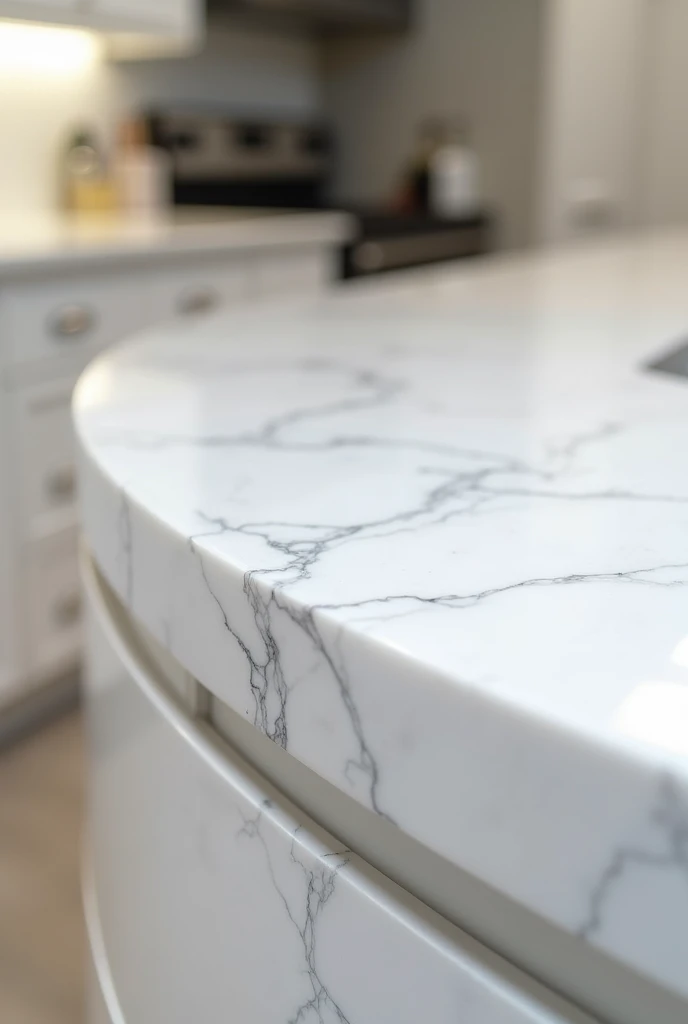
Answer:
(388, 634)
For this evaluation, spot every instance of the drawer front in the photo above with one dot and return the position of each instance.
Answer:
(219, 900)
(301, 272)
(192, 289)
(54, 317)
(53, 605)
(45, 457)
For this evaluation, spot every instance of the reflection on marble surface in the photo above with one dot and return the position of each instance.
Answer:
(429, 536)
(656, 713)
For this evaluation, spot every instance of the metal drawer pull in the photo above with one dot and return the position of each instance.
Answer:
(198, 302)
(60, 486)
(72, 321)
(67, 611)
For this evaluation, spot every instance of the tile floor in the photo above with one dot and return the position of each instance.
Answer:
(41, 935)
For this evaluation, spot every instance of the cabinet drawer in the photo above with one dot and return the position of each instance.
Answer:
(193, 289)
(299, 272)
(45, 456)
(53, 604)
(53, 317)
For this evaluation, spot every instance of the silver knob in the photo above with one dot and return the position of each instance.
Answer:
(201, 301)
(67, 611)
(72, 321)
(60, 486)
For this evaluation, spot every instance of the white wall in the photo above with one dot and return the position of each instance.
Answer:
(594, 116)
(245, 70)
(480, 58)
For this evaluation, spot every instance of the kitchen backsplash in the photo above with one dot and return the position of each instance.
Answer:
(40, 101)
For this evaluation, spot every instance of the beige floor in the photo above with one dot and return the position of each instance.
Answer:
(41, 934)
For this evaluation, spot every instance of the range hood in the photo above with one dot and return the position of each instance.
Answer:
(326, 15)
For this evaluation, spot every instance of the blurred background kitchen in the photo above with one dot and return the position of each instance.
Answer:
(159, 159)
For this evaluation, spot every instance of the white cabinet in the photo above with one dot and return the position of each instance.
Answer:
(44, 480)
(207, 284)
(51, 325)
(52, 605)
(134, 27)
(69, 314)
(38, 10)
(8, 609)
(41, 8)
(593, 116)
(134, 12)
(139, 28)
(663, 150)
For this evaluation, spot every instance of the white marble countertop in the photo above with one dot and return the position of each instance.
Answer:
(431, 536)
(36, 242)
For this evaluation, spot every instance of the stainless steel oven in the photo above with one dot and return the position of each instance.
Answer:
(227, 160)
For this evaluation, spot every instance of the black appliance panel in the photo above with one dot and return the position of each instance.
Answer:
(388, 242)
(281, 193)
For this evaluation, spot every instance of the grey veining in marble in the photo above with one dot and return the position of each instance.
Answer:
(211, 895)
(430, 537)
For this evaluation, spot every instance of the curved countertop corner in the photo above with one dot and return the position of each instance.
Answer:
(431, 536)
